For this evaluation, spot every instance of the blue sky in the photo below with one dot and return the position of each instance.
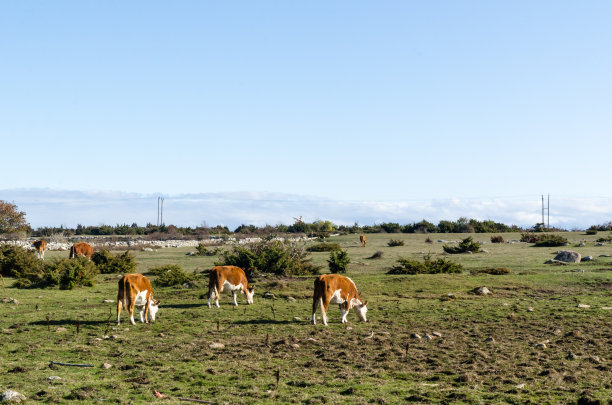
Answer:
(342, 104)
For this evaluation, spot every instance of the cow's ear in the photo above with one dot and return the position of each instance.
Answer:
(365, 303)
(157, 302)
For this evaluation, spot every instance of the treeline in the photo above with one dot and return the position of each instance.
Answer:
(317, 228)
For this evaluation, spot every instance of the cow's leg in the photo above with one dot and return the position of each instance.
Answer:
(131, 308)
(118, 310)
(345, 311)
(235, 296)
(315, 303)
(141, 313)
(218, 290)
(146, 309)
(324, 305)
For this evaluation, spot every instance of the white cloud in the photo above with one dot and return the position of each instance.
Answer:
(50, 207)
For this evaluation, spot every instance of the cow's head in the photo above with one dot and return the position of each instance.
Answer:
(153, 308)
(249, 295)
(361, 311)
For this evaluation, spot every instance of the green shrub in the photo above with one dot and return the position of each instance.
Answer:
(497, 239)
(18, 262)
(427, 266)
(108, 263)
(170, 275)
(550, 240)
(202, 250)
(275, 257)
(324, 247)
(605, 239)
(591, 231)
(338, 261)
(466, 245)
(497, 271)
(65, 273)
(395, 242)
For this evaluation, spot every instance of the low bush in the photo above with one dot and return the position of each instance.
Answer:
(529, 237)
(324, 247)
(427, 266)
(202, 250)
(395, 242)
(466, 245)
(497, 239)
(605, 239)
(550, 240)
(18, 262)
(275, 257)
(338, 261)
(170, 275)
(65, 273)
(591, 231)
(497, 271)
(108, 263)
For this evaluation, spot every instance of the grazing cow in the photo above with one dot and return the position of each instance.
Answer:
(136, 290)
(362, 240)
(81, 249)
(231, 277)
(41, 247)
(337, 289)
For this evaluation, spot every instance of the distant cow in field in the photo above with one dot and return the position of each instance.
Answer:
(231, 277)
(337, 289)
(136, 290)
(362, 240)
(41, 247)
(81, 249)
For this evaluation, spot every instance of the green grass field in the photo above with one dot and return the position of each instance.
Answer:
(527, 342)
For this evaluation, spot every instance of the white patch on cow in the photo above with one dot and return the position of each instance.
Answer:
(336, 298)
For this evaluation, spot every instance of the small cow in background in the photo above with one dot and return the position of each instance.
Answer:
(41, 247)
(231, 277)
(81, 249)
(136, 290)
(337, 289)
(362, 240)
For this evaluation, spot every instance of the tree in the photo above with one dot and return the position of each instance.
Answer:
(11, 219)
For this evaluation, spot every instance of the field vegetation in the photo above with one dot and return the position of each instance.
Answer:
(542, 334)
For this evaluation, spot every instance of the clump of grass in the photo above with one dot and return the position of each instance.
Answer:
(377, 255)
(338, 261)
(428, 240)
(324, 247)
(605, 239)
(202, 250)
(497, 271)
(466, 245)
(395, 242)
(427, 266)
(497, 239)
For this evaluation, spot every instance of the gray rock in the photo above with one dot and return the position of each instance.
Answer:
(107, 301)
(604, 255)
(12, 396)
(106, 365)
(490, 339)
(269, 295)
(415, 336)
(53, 378)
(290, 299)
(584, 306)
(540, 346)
(586, 259)
(482, 291)
(568, 256)
(216, 345)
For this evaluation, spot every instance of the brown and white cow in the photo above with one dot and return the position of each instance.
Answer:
(81, 249)
(362, 240)
(41, 247)
(337, 289)
(136, 290)
(231, 277)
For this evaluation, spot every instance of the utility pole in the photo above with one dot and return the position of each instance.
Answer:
(160, 211)
(547, 209)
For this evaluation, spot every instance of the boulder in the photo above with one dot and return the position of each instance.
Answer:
(568, 256)
(12, 396)
(482, 291)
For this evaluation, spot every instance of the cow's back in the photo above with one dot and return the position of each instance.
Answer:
(232, 274)
(133, 282)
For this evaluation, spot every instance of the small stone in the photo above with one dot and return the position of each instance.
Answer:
(107, 301)
(482, 291)
(584, 306)
(586, 259)
(571, 356)
(415, 336)
(60, 329)
(114, 337)
(349, 328)
(269, 295)
(529, 309)
(490, 339)
(106, 366)
(295, 346)
(451, 296)
(297, 319)
(520, 386)
(506, 304)
(428, 336)
(437, 334)
(290, 299)
(161, 334)
(216, 345)
(606, 308)
(595, 359)
(540, 346)
(53, 378)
